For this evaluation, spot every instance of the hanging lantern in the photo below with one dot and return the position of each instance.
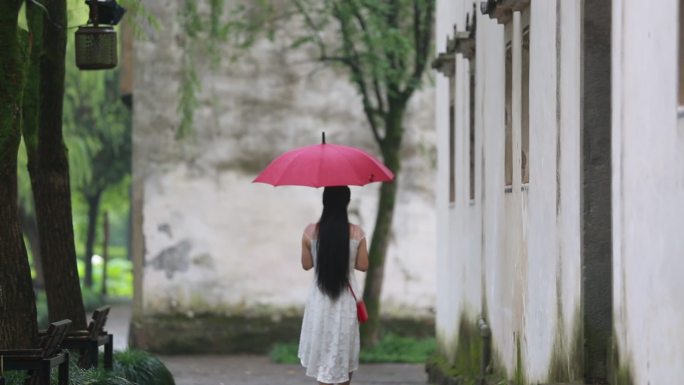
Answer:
(96, 42)
(96, 48)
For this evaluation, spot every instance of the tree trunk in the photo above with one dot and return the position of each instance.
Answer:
(18, 326)
(29, 227)
(105, 252)
(370, 332)
(49, 168)
(30, 128)
(93, 209)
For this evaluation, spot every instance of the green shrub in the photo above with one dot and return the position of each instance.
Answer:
(284, 353)
(15, 378)
(119, 278)
(390, 349)
(119, 274)
(92, 299)
(141, 368)
(393, 348)
(77, 376)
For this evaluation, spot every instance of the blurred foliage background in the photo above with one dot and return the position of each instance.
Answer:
(97, 131)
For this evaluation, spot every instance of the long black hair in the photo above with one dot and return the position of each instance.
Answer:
(332, 261)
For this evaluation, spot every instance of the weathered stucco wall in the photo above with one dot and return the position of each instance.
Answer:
(209, 241)
(562, 270)
(445, 312)
(513, 257)
(551, 350)
(648, 194)
(451, 274)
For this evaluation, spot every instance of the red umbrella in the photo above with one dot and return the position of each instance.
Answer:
(324, 165)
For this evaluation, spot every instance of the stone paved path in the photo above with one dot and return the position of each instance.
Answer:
(118, 323)
(259, 370)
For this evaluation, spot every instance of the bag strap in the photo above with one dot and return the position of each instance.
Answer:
(352, 291)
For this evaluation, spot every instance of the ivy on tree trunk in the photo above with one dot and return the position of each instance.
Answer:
(18, 327)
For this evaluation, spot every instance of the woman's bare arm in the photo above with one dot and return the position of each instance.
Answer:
(307, 258)
(362, 256)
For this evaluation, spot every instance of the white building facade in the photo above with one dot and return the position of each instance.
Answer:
(560, 190)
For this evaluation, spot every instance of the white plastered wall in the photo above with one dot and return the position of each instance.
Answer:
(524, 245)
(459, 272)
(648, 193)
(552, 297)
(447, 302)
(213, 242)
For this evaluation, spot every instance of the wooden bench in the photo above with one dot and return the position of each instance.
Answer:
(39, 362)
(88, 342)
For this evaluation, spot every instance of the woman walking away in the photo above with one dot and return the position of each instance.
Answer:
(329, 341)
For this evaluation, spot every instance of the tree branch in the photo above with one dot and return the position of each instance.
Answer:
(353, 62)
(394, 21)
(370, 47)
(357, 77)
(422, 34)
(314, 28)
(377, 88)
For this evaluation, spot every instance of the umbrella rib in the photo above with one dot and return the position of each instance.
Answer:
(376, 162)
(290, 161)
(350, 165)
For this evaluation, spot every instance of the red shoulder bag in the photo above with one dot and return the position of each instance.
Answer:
(361, 311)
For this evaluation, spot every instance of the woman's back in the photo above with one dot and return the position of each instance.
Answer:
(356, 236)
(358, 251)
(329, 342)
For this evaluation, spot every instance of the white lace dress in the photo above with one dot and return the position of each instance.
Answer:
(329, 341)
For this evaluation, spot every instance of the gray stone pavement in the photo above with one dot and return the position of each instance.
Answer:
(118, 323)
(259, 370)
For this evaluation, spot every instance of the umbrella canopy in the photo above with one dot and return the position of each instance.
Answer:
(324, 165)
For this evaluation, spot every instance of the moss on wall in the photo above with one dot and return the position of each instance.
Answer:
(497, 370)
(458, 362)
(566, 358)
(519, 374)
(179, 334)
(623, 376)
(620, 369)
(440, 363)
(468, 351)
(406, 326)
(565, 365)
(229, 334)
(441, 372)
